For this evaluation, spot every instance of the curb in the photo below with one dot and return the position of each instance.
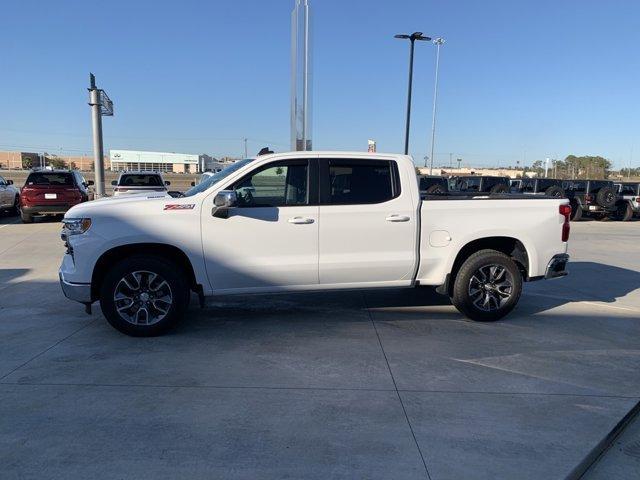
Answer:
(603, 445)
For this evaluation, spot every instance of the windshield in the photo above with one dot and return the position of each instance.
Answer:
(215, 178)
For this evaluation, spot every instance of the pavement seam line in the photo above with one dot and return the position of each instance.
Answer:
(321, 389)
(395, 386)
(47, 349)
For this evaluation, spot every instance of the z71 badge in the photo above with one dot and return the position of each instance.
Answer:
(179, 206)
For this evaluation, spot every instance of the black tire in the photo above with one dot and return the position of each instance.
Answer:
(606, 197)
(435, 190)
(471, 270)
(173, 275)
(624, 213)
(576, 212)
(26, 217)
(16, 205)
(555, 191)
(499, 188)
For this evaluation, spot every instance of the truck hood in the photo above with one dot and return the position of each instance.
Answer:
(108, 205)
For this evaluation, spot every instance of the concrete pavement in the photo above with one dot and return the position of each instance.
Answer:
(390, 384)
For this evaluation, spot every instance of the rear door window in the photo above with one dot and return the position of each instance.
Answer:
(352, 182)
(54, 179)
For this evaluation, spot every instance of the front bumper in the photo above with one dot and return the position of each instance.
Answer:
(557, 266)
(80, 292)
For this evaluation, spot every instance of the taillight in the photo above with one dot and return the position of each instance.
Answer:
(565, 211)
(588, 197)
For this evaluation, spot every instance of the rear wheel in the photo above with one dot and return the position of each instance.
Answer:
(15, 210)
(624, 212)
(576, 213)
(435, 190)
(487, 286)
(500, 188)
(144, 295)
(555, 191)
(26, 217)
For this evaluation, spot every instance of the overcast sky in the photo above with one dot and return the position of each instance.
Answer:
(519, 80)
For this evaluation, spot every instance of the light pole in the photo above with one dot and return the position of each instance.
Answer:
(412, 39)
(437, 42)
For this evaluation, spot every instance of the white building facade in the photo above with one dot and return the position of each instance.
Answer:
(158, 161)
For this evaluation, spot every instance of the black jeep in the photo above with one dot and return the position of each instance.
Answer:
(473, 183)
(552, 187)
(594, 198)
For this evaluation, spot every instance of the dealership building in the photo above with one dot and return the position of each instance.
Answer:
(160, 161)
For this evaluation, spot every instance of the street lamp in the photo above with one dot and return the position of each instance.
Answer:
(437, 42)
(412, 39)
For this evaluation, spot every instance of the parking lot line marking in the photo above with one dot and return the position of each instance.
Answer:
(7, 224)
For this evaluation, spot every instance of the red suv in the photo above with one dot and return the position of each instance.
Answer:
(52, 192)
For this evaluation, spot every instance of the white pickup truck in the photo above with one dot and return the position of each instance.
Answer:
(307, 221)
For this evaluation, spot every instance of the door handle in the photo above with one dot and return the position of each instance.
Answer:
(300, 220)
(398, 218)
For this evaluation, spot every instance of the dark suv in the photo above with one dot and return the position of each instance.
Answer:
(473, 183)
(432, 185)
(551, 187)
(595, 198)
(52, 192)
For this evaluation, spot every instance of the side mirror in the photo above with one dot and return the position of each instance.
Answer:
(167, 183)
(89, 183)
(9, 182)
(114, 182)
(223, 201)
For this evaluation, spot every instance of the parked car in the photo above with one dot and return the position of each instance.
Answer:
(52, 192)
(473, 183)
(139, 182)
(594, 198)
(551, 187)
(314, 221)
(9, 197)
(433, 185)
(628, 203)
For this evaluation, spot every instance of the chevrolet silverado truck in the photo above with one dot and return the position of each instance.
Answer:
(307, 221)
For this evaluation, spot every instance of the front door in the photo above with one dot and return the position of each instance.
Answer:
(269, 242)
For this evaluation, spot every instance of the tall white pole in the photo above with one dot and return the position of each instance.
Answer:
(438, 42)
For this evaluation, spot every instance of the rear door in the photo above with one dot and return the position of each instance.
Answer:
(367, 224)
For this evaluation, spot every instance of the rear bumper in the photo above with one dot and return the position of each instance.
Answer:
(557, 266)
(36, 209)
(80, 292)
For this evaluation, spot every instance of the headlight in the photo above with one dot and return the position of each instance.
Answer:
(75, 226)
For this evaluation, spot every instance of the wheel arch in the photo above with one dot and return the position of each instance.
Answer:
(510, 246)
(162, 250)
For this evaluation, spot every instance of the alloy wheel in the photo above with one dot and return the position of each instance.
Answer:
(142, 297)
(490, 287)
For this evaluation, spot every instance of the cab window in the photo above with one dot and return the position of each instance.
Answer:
(279, 184)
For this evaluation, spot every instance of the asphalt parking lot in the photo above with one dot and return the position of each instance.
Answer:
(380, 385)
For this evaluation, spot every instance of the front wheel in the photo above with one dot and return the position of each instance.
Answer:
(487, 286)
(144, 295)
